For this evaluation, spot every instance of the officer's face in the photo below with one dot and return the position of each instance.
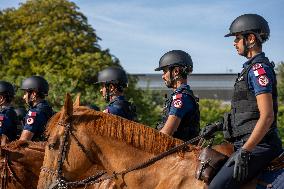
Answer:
(166, 77)
(103, 90)
(239, 44)
(26, 97)
(166, 74)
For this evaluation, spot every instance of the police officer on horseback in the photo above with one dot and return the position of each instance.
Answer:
(8, 117)
(35, 90)
(113, 80)
(252, 123)
(181, 114)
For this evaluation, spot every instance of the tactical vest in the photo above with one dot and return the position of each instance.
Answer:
(128, 109)
(244, 109)
(190, 124)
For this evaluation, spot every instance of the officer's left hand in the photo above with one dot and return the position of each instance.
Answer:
(240, 159)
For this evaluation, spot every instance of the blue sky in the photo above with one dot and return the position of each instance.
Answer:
(139, 32)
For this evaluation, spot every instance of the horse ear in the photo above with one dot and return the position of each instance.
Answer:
(77, 101)
(68, 106)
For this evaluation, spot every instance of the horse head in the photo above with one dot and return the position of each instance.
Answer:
(68, 152)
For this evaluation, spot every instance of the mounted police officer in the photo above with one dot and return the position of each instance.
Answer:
(251, 125)
(8, 117)
(113, 80)
(181, 111)
(35, 90)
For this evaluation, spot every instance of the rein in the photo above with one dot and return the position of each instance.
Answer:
(62, 183)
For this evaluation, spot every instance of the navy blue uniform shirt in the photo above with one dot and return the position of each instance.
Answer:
(181, 103)
(36, 119)
(260, 76)
(116, 109)
(8, 123)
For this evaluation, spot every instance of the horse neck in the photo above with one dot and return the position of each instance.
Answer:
(118, 156)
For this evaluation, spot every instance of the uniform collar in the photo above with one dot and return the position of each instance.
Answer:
(39, 103)
(182, 87)
(117, 98)
(257, 56)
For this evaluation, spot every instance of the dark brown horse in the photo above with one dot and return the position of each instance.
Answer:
(20, 164)
(114, 144)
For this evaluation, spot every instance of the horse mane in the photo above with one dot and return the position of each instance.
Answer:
(118, 128)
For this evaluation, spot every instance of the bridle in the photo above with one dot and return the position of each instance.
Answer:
(62, 183)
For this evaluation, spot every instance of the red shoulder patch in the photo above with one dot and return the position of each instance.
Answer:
(177, 96)
(33, 114)
(256, 66)
(1, 118)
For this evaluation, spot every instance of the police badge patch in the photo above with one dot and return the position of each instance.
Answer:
(177, 103)
(263, 80)
(30, 120)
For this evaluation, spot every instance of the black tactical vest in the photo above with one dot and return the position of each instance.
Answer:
(244, 109)
(190, 124)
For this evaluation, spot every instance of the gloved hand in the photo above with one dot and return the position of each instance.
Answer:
(208, 131)
(240, 159)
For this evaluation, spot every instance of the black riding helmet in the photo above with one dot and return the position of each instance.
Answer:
(36, 83)
(7, 89)
(175, 58)
(113, 75)
(250, 23)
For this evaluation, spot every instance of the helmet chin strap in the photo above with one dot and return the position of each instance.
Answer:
(30, 100)
(246, 47)
(171, 81)
(107, 97)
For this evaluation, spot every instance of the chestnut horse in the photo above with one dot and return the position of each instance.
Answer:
(114, 144)
(20, 164)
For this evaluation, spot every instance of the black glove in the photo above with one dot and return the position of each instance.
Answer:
(240, 159)
(208, 131)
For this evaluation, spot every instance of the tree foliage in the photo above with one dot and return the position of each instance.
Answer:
(53, 39)
(280, 76)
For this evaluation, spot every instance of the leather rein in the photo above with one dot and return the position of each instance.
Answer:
(62, 183)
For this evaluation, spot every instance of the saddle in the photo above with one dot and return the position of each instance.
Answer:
(277, 163)
(210, 161)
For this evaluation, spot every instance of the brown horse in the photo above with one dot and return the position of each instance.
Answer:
(20, 164)
(115, 144)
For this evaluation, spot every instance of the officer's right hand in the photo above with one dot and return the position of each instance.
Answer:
(208, 131)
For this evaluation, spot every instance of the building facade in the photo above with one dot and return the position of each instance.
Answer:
(205, 86)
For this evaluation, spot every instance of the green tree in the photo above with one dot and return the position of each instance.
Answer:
(280, 87)
(211, 111)
(53, 39)
(280, 77)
